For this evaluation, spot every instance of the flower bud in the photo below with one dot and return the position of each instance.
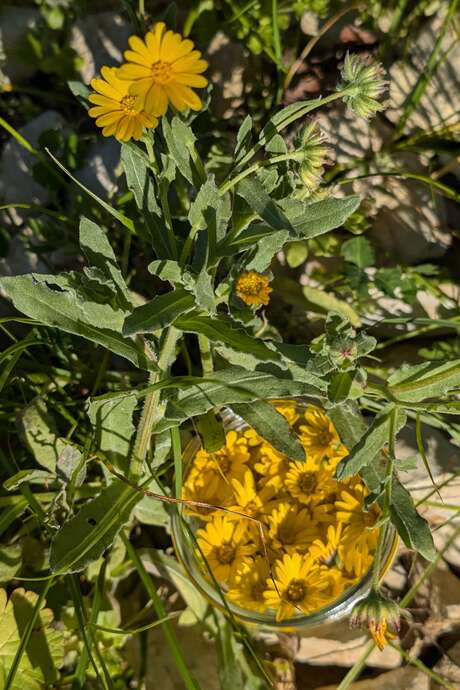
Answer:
(313, 153)
(364, 84)
(379, 615)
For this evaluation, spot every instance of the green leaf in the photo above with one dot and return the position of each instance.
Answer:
(260, 202)
(211, 431)
(422, 381)
(243, 138)
(339, 388)
(166, 269)
(179, 139)
(83, 538)
(32, 476)
(223, 330)
(296, 253)
(44, 653)
(55, 303)
(229, 386)
(328, 302)
(311, 220)
(370, 445)
(160, 312)
(113, 424)
(388, 279)
(272, 426)
(414, 530)
(141, 184)
(39, 431)
(266, 249)
(151, 511)
(358, 251)
(203, 290)
(127, 222)
(98, 252)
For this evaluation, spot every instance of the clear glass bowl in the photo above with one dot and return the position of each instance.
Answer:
(186, 552)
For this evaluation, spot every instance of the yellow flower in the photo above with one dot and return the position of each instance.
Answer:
(225, 545)
(299, 586)
(250, 584)
(360, 536)
(119, 113)
(325, 550)
(291, 528)
(252, 288)
(289, 410)
(272, 465)
(307, 483)
(225, 464)
(162, 69)
(199, 487)
(318, 436)
(249, 501)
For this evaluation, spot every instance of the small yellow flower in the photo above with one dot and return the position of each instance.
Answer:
(291, 528)
(271, 465)
(119, 113)
(360, 536)
(289, 410)
(227, 463)
(164, 68)
(299, 586)
(249, 501)
(318, 436)
(308, 484)
(225, 545)
(250, 584)
(325, 550)
(200, 487)
(252, 288)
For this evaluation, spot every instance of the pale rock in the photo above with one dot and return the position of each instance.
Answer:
(16, 180)
(99, 39)
(440, 102)
(449, 668)
(227, 65)
(15, 22)
(99, 173)
(407, 678)
(19, 260)
(396, 577)
(343, 646)
(309, 23)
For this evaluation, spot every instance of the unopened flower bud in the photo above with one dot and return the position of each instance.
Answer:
(364, 84)
(313, 154)
(379, 615)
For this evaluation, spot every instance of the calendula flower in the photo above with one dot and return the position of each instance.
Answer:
(360, 536)
(379, 615)
(117, 111)
(252, 288)
(250, 584)
(318, 435)
(164, 68)
(308, 484)
(299, 586)
(226, 546)
(291, 528)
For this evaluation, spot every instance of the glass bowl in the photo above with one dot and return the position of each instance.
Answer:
(185, 548)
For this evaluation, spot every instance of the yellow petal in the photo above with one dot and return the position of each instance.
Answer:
(138, 58)
(108, 119)
(103, 101)
(99, 110)
(156, 101)
(138, 46)
(131, 71)
(122, 126)
(190, 63)
(195, 80)
(105, 89)
(183, 95)
(109, 130)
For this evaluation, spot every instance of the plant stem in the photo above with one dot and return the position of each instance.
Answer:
(421, 666)
(152, 410)
(206, 355)
(356, 669)
(293, 155)
(177, 455)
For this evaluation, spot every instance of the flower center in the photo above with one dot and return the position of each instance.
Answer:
(161, 72)
(286, 534)
(296, 591)
(127, 104)
(257, 591)
(225, 554)
(324, 437)
(307, 482)
(369, 519)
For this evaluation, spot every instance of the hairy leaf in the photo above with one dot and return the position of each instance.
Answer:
(160, 312)
(113, 424)
(422, 381)
(414, 530)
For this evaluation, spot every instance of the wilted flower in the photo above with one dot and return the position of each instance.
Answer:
(364, 84)
(379, 615)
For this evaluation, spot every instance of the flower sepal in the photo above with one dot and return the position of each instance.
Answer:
(379, 615)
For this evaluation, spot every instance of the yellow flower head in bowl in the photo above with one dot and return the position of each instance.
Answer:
(164, 68)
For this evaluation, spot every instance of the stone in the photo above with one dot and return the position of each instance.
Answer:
(339, 645)
(99, 39)
(449, 668)
(227, 65)
(407, 678)
(15, 22)
(19, 260)
(99, 173)
(16, 180)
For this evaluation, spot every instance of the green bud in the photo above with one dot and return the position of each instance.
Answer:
(312, 154)
(364, 84)
(379, 615)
